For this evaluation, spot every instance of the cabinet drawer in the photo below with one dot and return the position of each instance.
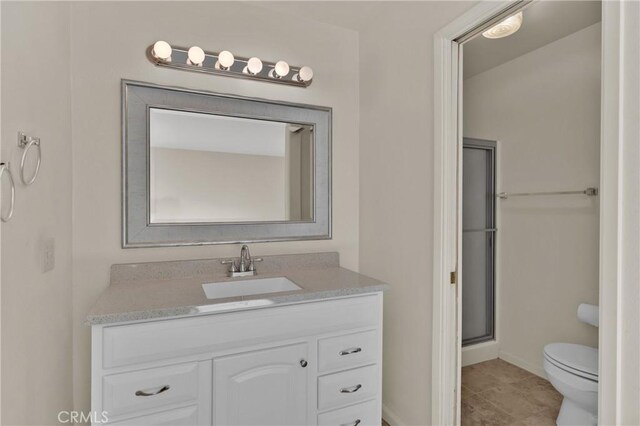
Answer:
(347, 351)
(154, 388)
(155, 340)
(347, 387)
(187, 416)
(363, 414)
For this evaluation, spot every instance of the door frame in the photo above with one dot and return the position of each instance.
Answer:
(618, 122)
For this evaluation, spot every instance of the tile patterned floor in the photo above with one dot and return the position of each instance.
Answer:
(496, 393)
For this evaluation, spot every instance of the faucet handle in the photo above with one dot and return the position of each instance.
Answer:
(232, 263)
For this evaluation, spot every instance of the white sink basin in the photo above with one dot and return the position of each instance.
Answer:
(248, 287)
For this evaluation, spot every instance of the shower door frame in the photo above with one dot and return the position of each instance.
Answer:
(619, 240)
(491, 147)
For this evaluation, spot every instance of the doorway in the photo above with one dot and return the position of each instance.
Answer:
(446, 383)
(536, 89)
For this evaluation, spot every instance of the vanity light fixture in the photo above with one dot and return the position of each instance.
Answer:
(161, 50)
(254, 66)
(505, 28)
(195, 56)
(305, 74)
(225, 60)
(280, 70)
(225, 63)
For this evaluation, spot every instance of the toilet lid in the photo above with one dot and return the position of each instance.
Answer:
(578, 359)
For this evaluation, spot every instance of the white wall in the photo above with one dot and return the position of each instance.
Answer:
(36, 305)
(108, 43)
(543, 108)
(396, 189)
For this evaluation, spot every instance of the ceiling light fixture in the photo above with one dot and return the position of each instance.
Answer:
(505, 28)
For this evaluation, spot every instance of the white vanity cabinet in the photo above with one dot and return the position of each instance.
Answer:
(314, 362)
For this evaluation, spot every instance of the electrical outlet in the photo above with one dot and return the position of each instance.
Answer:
(49, 255)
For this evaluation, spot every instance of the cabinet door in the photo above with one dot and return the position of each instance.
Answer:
(266, 387)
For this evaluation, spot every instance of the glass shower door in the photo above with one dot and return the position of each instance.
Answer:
(478, 241)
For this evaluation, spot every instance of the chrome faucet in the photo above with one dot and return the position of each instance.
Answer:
(245, 257)
(244, 266)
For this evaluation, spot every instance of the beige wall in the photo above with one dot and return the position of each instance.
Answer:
(36, 305)
(204, 186)
(543, 108)
(396, 189)
(124, 30)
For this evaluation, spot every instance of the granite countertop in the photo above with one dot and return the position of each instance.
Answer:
(169, 289)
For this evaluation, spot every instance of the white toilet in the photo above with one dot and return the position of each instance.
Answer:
(573, 370)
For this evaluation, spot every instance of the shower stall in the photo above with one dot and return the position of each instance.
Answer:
(478, 241)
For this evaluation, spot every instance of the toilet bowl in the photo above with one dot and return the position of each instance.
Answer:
(573, 370)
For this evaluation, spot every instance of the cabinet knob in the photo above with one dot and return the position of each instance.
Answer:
(303, 363)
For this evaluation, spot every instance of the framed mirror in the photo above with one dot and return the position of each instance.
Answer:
(206, 168)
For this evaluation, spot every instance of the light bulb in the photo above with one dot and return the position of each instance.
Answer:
(225, 59)
(281, 69)
(254, 66)
(304, 74)
(505, 28)
(162, 50)
(196, 56)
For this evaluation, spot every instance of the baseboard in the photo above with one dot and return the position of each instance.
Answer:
(479, 353)
(391, 417)
(519, 362)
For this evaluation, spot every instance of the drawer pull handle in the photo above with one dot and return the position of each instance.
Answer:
(159, 391)
(351, 389)
(356, 423)
(350, 351)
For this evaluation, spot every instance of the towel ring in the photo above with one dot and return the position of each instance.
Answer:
(27, 142)
(5, 167)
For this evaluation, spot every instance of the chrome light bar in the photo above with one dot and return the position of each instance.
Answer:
(226, 64)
